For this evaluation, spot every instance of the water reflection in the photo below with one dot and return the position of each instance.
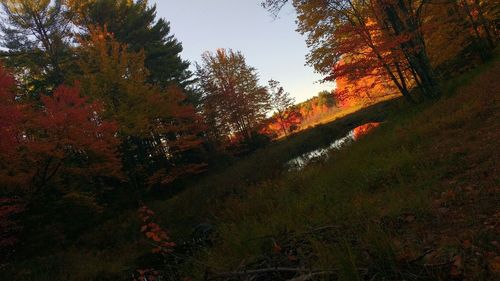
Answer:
(321, 154)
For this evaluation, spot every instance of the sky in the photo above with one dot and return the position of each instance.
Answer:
(270, 45)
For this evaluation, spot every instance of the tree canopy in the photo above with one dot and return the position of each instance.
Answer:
(233, 101)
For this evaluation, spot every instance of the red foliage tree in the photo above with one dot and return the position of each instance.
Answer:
(285, 122)
(60, 136)
(67, 136)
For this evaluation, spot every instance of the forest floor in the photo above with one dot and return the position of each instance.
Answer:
(416, 199)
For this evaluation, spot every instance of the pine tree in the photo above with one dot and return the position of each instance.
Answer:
(134, 23)
(36, 36)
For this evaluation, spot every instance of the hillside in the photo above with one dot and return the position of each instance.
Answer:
(415, 200)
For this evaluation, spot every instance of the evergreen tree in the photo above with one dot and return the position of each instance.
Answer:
(36, 40)
(135, 24)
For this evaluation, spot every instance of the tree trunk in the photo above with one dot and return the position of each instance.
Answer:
(413, 48)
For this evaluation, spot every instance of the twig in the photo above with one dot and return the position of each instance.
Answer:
(421, 256)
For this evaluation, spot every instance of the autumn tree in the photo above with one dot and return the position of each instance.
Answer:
(59, 137)
(233, 101)
(158, 130)
(68, 139)
(36, 42)
(466, 28)
(375, 38)
(282, 104)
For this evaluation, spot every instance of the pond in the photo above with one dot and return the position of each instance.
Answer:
(321, 154)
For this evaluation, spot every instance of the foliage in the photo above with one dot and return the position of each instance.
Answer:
(69, 139)
(282, 104)
(158, 129)
(374, 48)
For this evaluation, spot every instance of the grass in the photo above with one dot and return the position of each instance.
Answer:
(427, 179)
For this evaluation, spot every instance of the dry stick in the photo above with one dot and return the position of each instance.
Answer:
(259, 271)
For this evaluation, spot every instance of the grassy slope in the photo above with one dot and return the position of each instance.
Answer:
(427, 180)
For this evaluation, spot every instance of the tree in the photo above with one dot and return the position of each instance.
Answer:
(36, 37)
(134, 23)
(68, 139)
(61, 136)
(281, 102)
(233, 101)
(158, 129)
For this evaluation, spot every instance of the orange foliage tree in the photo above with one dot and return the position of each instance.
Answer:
(285, 114)
(380, 39)
(159, 130)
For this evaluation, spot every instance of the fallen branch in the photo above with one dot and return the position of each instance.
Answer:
(310, 273)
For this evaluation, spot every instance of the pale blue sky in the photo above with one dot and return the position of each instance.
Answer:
(270, 45)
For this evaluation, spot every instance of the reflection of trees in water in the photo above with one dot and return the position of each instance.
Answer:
(321, 154)
(364, 129)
